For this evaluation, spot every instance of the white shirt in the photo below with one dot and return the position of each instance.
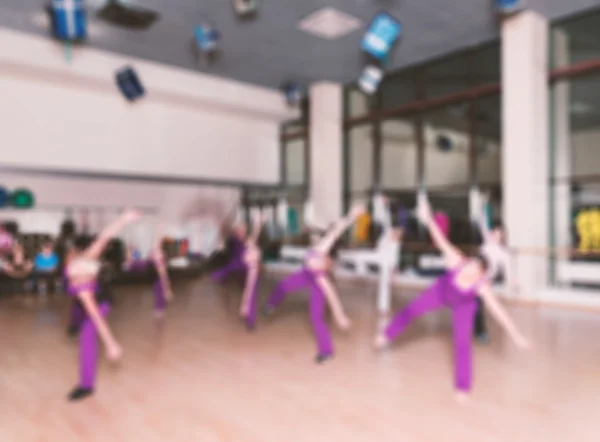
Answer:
(388, 250)
(498, 260)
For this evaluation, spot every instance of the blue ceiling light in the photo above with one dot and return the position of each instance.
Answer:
(509, 6)
(207, 38)
(381, 36)
(68, 19)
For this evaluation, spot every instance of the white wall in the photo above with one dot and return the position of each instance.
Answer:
(177, 210)
(71, 116)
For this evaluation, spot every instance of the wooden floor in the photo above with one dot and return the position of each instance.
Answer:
(201, 377)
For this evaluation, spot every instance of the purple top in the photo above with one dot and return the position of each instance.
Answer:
(75, 289)
(311, 254)
(454, 295)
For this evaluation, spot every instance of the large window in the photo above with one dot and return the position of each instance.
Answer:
(434, 127)
(575, 151)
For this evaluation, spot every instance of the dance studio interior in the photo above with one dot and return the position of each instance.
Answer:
(268, 221)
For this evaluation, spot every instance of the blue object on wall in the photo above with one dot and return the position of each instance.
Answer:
(69, 20)
(130, 84)
(207, 38)
(4, 197)
(381, 35)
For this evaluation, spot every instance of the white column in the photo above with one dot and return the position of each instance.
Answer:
(326, 136)
(561, 127)
(525, 145)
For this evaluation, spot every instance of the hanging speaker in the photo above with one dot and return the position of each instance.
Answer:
(129, 84)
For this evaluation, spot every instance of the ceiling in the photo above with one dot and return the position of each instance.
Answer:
(270, 50)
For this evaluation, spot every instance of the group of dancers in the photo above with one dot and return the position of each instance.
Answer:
(464, 288)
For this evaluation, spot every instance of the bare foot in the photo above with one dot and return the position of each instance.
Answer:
(461, 397)
(381, 342)
(159, 314)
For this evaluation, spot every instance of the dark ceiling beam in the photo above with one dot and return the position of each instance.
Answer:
(425, 105)
(298, 135)
(576, 70)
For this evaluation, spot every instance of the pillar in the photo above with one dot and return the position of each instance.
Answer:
(525, 146)
(326, 142)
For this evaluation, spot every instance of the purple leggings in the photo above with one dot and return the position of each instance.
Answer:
(236, 265)
(88, 344)
(463, 313)
(160, 302)
(299, 280)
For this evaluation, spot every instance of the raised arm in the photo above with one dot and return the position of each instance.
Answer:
(326, 243)
(97, 247)
(501, 316)
(257, 224)
(452, 255)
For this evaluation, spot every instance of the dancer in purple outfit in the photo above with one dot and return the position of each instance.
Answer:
(163, 293)
(313, 276)
(82, 272)
(458, 290)
(246, 258)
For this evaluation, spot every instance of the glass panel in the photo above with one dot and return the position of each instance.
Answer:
(360, 145)
(293, 128)
(486, 64)
(488, 140)
(447, 168)
(447, 147)
(576, 40)
(295, 158)
(358, 103)
(398, 155)
(446, 76)
(398, 89)
(575, 195)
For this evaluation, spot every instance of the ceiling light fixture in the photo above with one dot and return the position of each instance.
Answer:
(329, 23)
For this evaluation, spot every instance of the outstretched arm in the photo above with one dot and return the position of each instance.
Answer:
(325, 244)
(108, 339)
(163, 277)
(334, 302)
(452, 255)
(257, 224)
(95, 250)
(502, 317)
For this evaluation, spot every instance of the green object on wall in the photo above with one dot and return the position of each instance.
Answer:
(293, 224)
(22, 199)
